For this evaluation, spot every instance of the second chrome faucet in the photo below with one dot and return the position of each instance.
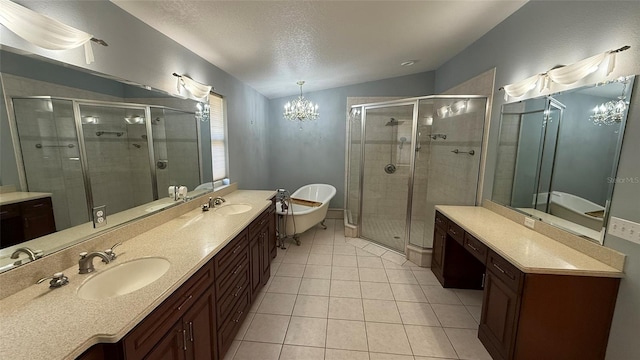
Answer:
(85, 264)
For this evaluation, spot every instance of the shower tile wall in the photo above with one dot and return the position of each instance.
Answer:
(450, 178)
(118, 170)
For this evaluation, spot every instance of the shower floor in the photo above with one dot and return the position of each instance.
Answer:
(391, 233)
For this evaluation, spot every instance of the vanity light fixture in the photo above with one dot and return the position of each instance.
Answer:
(300, 109)
(199, 91)
(611, 112)
(564, 75)
(44, 31)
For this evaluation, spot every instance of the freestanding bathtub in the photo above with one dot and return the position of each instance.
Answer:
(300, 218)
(576, 209)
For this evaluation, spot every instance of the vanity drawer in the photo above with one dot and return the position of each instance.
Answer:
(456, 232)
(505, 271)
(9, 211)
(441, 221)
(150, 331)
(228, 255)
(231, 296)
(225, 278)
(229, 327)
(258, 224)
(476, 248)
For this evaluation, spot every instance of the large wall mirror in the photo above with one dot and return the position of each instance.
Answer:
(86, 141)
(558, 156)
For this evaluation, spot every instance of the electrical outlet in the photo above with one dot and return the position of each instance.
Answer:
(529, 222)
(624, 229)
(99, 216)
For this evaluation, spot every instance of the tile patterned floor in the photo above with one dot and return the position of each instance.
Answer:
(337, 298)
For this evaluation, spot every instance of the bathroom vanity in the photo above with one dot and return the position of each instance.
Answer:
(218, 263)
(25, 216)
(541, 300)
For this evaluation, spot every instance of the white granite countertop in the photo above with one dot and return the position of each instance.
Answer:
(44, 323)
(529, 251)
(20, 196)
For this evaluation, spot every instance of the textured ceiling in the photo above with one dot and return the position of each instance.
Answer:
(272, 44)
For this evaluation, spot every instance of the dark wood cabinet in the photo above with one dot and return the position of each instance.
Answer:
(451, 263)
(200, 319)
(526, 315)
(499, 314)
(170, 346)
(26, 220)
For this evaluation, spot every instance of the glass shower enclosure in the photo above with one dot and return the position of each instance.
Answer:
(94, 153)
(406, 156)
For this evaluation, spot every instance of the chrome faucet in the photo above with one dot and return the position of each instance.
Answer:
(218, 200)
(25, 250)
(85, 264)
(112, 255)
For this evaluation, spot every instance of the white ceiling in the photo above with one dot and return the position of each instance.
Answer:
(272, 44)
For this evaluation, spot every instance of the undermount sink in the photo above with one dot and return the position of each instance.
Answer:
(123, 278)
(233, 209)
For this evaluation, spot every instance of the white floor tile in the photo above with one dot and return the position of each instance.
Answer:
(380, 356)
(345, 273)
(291, 352)
(306, 332)
(346, 335)
(335, 354)
(376, 291)
(403, 292)
(401, 276)
(370, 262)
(322, 249)
(387, 338)
(319, 259)
(344, 250)
(413, 313)
(467, 344)
(345, 260)
(319, 287)
(317, 272)
(294, 270)
(455, 316)
(436, 294)
(284, 285)
(469, 297)
(373, 275)
(267, 328)
(311, 306)
(350, 289)
(277, 304)
(425, 277)
(429, 341)
(257, 350)
(384, 311)
(346, 309)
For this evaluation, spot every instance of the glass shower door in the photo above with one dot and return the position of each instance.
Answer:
(387, 168)
(51, 156)
(117, 153)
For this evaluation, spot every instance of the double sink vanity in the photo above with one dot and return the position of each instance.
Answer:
(179, 290)
(541, 300)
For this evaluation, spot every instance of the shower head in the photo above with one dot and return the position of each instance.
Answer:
(393, 122)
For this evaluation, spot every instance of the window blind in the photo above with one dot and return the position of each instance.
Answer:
(218, 138)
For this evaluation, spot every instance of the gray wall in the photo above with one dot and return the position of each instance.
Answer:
(316, 154)
(138, 53)
(537, 37)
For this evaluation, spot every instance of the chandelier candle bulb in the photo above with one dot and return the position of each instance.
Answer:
(300, 109)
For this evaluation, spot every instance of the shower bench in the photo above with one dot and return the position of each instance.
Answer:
(541, 299)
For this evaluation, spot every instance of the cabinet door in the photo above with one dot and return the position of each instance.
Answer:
(171, 347)
(500, 307)
(255, 256)
(265, 261)
(437, 259)
(37, 218)
(199, 323)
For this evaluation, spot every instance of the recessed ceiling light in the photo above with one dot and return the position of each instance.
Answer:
(408, 63)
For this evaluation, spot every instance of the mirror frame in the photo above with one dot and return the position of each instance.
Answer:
(549, 99)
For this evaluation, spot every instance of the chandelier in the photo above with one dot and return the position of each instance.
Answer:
(300, 109)
(610, 112)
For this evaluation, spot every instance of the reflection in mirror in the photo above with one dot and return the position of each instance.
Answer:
(84, 143)
(558, 155)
